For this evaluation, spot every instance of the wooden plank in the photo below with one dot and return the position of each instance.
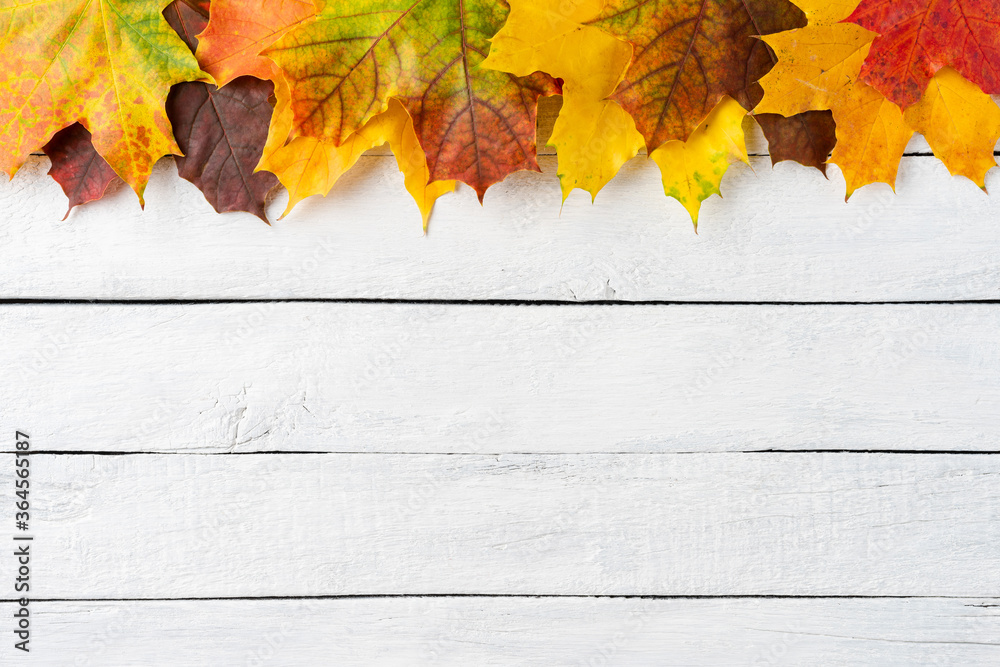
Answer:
(468, 378)
(779, 235)
(510, 632)
(167, 526)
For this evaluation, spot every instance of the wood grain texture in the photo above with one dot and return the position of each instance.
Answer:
(154, 526)
(518, 632)
(491, 379)
(782, 234)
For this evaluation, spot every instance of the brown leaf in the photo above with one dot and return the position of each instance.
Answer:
(807, 138)
(78, 169)
(221, 131)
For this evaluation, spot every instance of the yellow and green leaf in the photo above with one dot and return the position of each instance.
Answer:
(107, 64)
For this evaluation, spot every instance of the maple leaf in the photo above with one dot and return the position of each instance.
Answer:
(237, 32)
(961, 124)
(819, 68)
(231, 46)
(308, 166)
(220, 130)
(81, 173)
(222, 133)
(916, 38)
(689, 54)
(107, 64)
(692, 170)
(593, 135)
(475, 125)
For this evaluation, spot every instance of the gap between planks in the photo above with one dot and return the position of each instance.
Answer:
(46, 301)
(272, 452)
(505, 596)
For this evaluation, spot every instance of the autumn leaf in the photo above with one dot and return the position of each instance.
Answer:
(107, 64)
(961, 124)
(220, 130)
(692, 170)
(475, 125)
(916, 38)
(231, 46)
(308, 166)
(689, 54)
(81, 173)
(594, 136)
(819, 68)
(238, 31)
(806, 138)
(222, 133)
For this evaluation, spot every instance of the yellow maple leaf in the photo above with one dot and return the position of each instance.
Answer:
(819, 68)
(961, 124)
(308, 166)
(593, 138)
(593, 135)
(692, 170)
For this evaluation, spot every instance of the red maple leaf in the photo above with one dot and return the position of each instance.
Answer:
(919, 37)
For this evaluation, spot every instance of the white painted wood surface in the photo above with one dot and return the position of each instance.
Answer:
(476, 378)
(670, 524)
(521, 632)
(514, 451)
(779, 235)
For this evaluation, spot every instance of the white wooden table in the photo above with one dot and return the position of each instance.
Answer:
(524, 439)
